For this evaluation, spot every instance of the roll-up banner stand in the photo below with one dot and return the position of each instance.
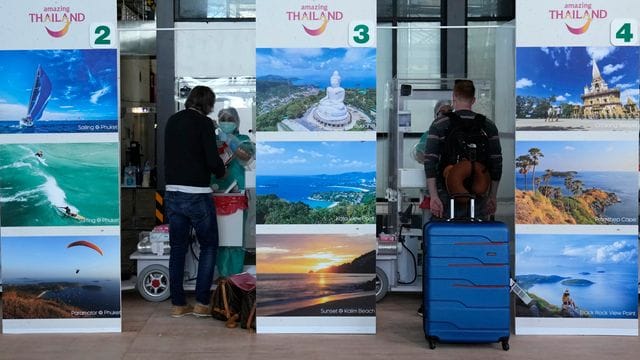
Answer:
(577, 68)
(59, 166)
(316, 166)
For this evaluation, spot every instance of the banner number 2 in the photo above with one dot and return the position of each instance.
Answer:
(101, 35)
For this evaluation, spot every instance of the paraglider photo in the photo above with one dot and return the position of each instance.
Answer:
(578, 275)
(59, 184)
(51, 277)
(59, 91)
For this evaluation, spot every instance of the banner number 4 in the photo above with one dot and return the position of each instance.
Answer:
(102, 35)
(624, 32)
(362, 34)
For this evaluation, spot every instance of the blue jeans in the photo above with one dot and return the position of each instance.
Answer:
(185, 211)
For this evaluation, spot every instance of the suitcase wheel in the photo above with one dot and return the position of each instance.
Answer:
(432, 342)
(505, 345)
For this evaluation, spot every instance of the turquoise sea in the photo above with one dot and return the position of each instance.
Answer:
(83, 177)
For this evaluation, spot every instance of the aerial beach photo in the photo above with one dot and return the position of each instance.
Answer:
(59, 91)
(578, 275)
(315, 274)
(316, 182)
(81, 279)
(576, 182)
(316, 89)
(59, 184)
(577, 88)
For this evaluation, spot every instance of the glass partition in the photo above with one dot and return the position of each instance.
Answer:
(418, 58)
(194, 10)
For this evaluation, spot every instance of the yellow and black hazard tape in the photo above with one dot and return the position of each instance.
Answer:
(159, 207)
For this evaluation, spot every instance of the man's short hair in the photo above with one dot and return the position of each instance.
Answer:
(464, 89)
(201, 98)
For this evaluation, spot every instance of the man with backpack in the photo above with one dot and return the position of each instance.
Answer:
(463, 155)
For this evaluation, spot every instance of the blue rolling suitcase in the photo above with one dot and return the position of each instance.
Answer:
(466, 281)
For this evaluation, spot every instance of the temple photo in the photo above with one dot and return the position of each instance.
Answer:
(577, 88)
(316, 89)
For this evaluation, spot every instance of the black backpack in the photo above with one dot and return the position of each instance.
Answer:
(467, 139)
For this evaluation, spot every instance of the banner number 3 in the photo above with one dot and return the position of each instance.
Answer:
(361, 33)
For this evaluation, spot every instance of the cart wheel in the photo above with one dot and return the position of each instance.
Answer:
(505, 345)
(382, 284)
(432, 343)
(153, 283)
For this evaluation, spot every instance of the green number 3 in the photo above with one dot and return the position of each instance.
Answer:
(103, 33)
(362, 36)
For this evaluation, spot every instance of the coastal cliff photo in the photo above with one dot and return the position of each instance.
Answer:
(576, 182)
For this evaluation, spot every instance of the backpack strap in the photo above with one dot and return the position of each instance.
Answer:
(482, 119)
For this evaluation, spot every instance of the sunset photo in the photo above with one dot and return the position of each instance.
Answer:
(316, 275)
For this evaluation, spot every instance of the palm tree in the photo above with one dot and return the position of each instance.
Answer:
(548, 174)
(577, 187)
(523, 163)
(568, 182)
(535, 155)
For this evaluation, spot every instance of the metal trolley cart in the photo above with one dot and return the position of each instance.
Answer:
(152, 255)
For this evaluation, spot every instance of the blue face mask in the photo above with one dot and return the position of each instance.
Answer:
(228, 127)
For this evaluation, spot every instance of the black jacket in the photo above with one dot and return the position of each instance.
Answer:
(190, 151)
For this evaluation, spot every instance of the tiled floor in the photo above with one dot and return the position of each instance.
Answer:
(149, 333)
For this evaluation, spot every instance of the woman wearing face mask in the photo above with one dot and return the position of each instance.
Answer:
(242, 151)
(239, 145)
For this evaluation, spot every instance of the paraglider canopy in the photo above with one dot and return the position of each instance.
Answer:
(87, 244)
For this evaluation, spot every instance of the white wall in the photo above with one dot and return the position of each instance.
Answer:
(215, 49)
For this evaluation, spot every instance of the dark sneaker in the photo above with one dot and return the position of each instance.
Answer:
(202, 310)
(180, 311)
(421, 310)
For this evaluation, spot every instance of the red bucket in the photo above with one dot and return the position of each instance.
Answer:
(227, 204)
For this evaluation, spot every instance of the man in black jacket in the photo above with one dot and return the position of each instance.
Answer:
(463, 98)
(191, 157)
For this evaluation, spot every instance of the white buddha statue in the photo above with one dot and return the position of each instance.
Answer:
(331, 108)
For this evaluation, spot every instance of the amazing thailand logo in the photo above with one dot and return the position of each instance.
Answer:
(56, 19)
(580, 14)
(318, 15)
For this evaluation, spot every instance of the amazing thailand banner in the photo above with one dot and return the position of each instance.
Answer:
(59, 167)
(576, 167)
(316, 166)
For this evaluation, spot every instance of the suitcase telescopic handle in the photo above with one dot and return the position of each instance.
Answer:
(472, 202)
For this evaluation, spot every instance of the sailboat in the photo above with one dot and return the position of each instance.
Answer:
(40, 96)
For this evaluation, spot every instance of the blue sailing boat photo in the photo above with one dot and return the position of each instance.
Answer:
(74, 91)
(40, 96)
